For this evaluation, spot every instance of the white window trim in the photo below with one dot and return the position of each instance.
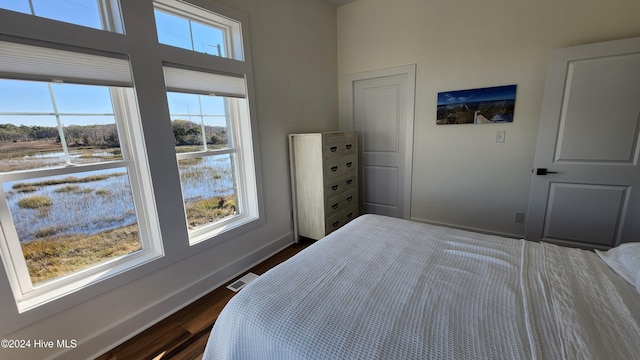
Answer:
(231, 28)
(29, 296)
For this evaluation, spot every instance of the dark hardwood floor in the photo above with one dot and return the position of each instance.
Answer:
(184, 334)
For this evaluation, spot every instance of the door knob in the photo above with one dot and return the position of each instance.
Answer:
(544, 171)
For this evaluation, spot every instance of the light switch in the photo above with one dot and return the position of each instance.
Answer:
(500, 136)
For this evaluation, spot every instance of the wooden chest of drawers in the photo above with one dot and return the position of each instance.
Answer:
(324, 180)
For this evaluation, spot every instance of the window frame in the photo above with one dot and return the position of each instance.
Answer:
(109, 15)
(234, 83)
(26, 294)
(232, 29)
(245, 189)
(149, 106)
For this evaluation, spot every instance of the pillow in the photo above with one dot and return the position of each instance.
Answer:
(625, 260)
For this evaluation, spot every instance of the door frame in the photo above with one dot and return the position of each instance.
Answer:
(347, 122)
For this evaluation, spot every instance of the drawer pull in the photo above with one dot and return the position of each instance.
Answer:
(334, 187)
(349, 146)
(349, 164)
(334, 168)
(333, 148)
(349, 182)
(350, 198)
(350, 215)
(335, 206)
(335, 224)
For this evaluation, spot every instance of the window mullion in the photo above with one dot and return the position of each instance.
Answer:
(194, 155)
(33, 12)
(75, 169)
(63, 139)
(202, 127)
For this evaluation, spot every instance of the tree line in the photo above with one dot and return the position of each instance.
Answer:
(185, 133)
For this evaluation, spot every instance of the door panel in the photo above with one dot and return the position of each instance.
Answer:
(599, 118)
(591, 213)
(379, 177)
(381, 118)
(378, 119)
(588, 141)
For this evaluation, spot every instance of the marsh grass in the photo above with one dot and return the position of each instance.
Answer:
(206, 211)
(73, 189)
(25, 155)
(57, 256)
(35, 202)
(66, 180)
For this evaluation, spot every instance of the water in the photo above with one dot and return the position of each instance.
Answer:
(105, 204)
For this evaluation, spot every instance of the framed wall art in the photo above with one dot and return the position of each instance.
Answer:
(477, 106)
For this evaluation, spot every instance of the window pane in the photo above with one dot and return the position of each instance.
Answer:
(78, 99)
(16, 5)
(24, 97)
(173, 30)
(70, 222)
(191, 115)
(188, 34)
(208, 189)
(30, 126)
(95, 140)
(79, 12)
(29, 142)
(207, 39)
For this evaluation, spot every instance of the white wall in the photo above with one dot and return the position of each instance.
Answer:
(293, 44)
(461, 176)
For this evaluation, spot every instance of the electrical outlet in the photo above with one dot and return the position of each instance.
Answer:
(519, 217)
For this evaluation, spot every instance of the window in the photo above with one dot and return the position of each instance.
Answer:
(189, 27)
(210, 154)
(97, 14)
(210, 119)
(79, 140)
(71, 195)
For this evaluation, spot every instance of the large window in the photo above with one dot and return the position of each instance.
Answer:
(209, 114)
(72, 198)
(84, 122)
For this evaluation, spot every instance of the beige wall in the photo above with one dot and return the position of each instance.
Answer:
(461, 176)
(293, 45)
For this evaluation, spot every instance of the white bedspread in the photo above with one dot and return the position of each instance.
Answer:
(383, 288)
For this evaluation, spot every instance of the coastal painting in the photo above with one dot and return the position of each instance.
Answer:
(477, 106)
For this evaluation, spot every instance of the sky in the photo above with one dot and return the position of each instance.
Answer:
(472, 95)
(81, 12)
(94, 102)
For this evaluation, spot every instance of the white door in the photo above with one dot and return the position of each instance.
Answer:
(383, 109)
(588, 147)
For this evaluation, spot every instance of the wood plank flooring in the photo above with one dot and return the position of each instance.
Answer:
(184, 334)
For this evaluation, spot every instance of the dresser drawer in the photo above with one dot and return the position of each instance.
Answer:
(338, 144)
(336, 221)
(337, 166)
(340, 202)
(339, 184)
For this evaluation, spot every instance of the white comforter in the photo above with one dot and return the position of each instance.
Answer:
(383, 288)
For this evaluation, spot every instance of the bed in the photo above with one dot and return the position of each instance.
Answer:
(385, 288)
